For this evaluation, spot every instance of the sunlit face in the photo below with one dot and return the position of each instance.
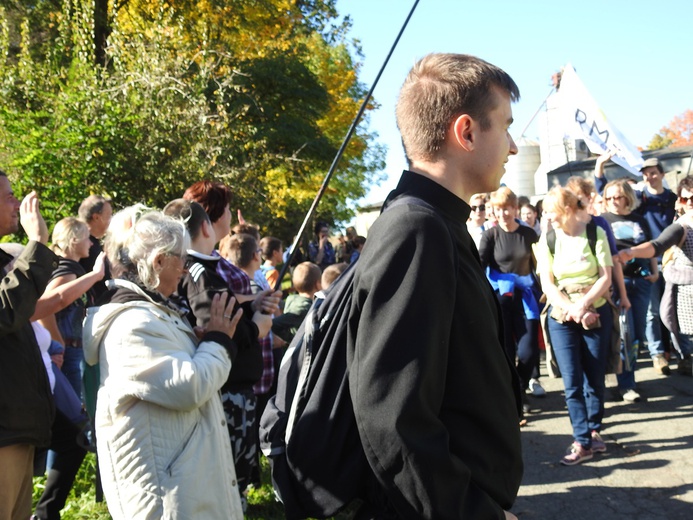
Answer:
(653, 177)
(686, 199)
(478, 207)
(172, 269)
(494, 145)
(101, 221)
(616, 201)
(597, 205)
(505, 214)
(9, 208)
(81, 246)
(528, 216)
(559, 219)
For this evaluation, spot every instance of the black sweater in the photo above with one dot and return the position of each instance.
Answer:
(436, 399)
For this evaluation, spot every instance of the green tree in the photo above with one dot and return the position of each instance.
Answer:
(257, 94)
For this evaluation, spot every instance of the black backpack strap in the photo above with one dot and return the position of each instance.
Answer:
(592, 236)
(591, 230)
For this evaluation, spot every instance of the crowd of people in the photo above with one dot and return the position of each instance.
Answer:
(164, 329)
(170, 343)
(594, 262)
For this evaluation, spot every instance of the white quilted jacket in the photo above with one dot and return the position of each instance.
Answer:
(163, 445)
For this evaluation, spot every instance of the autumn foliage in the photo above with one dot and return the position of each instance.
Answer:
(137, 100)
(679, 132)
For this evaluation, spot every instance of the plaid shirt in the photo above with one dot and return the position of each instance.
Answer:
(240, 283)
(265, 383)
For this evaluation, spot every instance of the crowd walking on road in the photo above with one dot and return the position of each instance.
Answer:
(156, 337)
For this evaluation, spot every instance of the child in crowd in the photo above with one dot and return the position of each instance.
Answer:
(306, 279)
(330, 274)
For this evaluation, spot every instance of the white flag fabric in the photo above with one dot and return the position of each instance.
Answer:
(587, 121)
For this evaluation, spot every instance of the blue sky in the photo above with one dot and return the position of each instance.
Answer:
(635, 57)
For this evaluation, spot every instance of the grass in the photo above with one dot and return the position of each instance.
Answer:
(82, 505)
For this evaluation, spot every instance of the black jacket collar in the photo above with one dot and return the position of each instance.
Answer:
(430, 191)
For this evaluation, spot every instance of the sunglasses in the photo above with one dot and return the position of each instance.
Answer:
(685, 200)
(617, 197)
(480, 207)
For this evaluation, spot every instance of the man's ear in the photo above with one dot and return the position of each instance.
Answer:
(463, 131)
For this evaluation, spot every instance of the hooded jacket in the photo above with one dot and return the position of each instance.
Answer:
(163, 445)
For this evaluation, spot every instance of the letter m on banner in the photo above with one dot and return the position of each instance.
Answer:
(585, 120)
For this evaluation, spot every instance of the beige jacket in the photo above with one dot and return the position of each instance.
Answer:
(163, 443)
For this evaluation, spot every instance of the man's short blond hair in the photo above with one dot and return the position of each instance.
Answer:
(440, 88)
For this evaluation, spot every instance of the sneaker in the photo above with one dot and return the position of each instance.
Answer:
(630, 395)
(598, 444)
(535, 389)
(576, 455)
(685, 367)
(661, 365)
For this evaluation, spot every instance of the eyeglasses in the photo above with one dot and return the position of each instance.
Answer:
(480, 207)
(617, 197)
(685, 200)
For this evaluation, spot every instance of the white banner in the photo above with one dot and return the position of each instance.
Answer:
(585, 120)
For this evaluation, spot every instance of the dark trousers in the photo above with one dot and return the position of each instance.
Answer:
(68, 458)
(521, 336)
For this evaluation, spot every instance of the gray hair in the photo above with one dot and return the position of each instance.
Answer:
(137, 235)
(92, 205)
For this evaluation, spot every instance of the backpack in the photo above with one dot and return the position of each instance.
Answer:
(613, 364)
(590, 229)
(308, 430)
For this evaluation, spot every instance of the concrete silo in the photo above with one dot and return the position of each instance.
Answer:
(520, 168)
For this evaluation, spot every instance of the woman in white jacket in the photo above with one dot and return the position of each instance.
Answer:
(162, 439)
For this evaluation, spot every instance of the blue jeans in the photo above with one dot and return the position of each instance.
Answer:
(581, 355)
(656, 342)
(73, 368)
(639, 293)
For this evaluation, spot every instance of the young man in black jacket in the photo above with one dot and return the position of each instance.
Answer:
(436, 399)
(26, 403)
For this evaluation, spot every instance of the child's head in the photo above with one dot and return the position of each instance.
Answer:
(306, 278)
(331, 273)
(241, 250)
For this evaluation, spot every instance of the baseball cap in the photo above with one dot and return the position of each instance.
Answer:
(652, 161)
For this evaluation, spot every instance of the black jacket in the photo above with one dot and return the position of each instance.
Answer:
(197, 288)
(26, 402)
(436, 399)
